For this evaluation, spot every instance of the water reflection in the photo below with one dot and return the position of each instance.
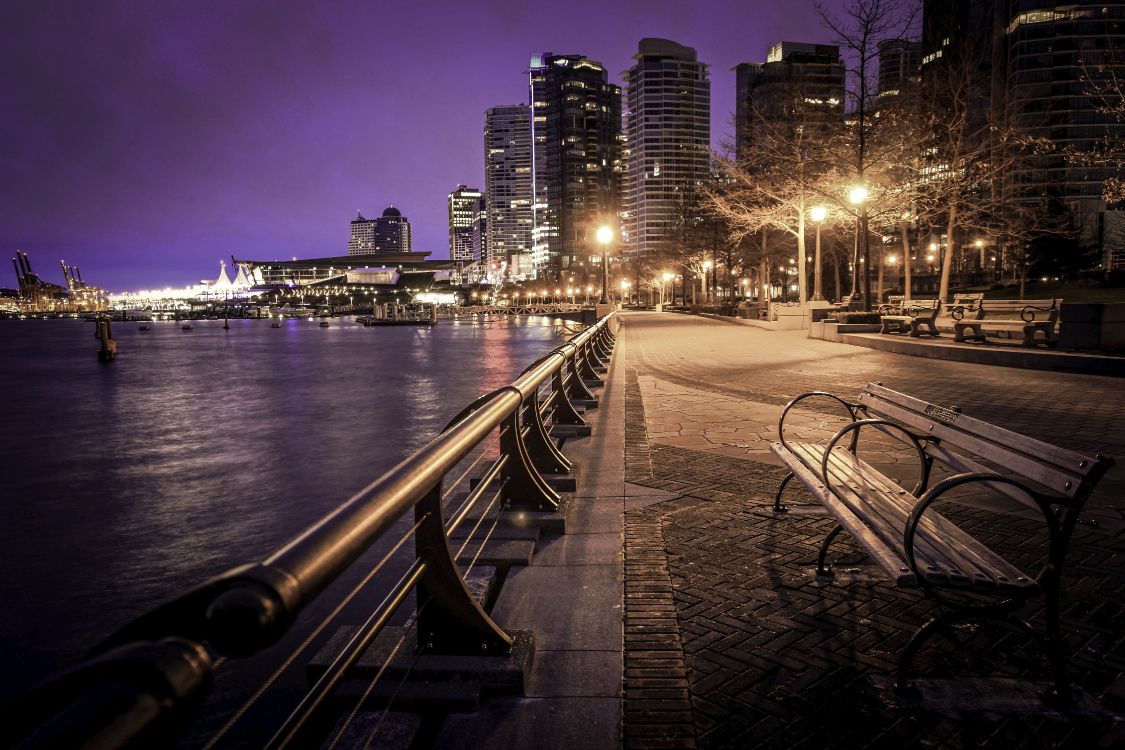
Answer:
(194, 451)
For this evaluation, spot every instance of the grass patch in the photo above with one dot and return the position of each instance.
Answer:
(1067, 292)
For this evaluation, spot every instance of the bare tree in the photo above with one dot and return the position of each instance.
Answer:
(875, 150)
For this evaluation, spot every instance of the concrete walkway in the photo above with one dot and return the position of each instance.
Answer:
(679, 612)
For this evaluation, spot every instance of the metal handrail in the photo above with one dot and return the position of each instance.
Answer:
(143, 680)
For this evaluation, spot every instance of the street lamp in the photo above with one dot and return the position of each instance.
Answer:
(818, 214)
(857, 196)
(666, 277)
(706, 288)
(604, 236)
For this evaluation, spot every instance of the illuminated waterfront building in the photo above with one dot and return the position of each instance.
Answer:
(668, 137)
(465, 225)
(507, 186)
(797, 81)
(390, 233)
(576, 151)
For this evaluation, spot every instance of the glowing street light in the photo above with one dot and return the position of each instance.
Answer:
(818, 214)
(604, 236)
(857, 196)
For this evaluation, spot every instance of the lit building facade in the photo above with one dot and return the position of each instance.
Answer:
(797, 79)
(1049, 49)
(899, 60)
(668, 137)
(390, 233)
(508, 186)
(465, 224)
(576, 159)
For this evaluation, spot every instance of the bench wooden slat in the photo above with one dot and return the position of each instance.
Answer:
(1058, 469)
(1067, 461)
(897, 568)
(874, 510)
(960, 565)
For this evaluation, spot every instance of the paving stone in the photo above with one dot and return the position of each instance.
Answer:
(774, 658)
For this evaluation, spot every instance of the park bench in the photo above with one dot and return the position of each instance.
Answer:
(1027, 316)
(911, 317)
(917, 546)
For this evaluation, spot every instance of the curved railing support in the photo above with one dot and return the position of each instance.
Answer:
(449, 619)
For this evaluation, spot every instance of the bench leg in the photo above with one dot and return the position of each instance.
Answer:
(1056, 645)
(1001, 614)
(777, 506)
(821, 568)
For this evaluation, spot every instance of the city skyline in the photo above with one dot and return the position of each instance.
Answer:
(153, 141)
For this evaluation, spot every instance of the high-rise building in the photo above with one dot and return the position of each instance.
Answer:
(361, 238)
(465, 224)
(390, 233)
(668, 132)
(508, 185)
(899, 60)
(796, 80)
(576, 150)
(1050, 49)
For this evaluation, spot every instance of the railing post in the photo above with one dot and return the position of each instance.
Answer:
(544, 455)
(575, 388)
(565, 413)
(450, 620)
(585, 369)
(524, 488)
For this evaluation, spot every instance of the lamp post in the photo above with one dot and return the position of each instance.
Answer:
(706, 288)
(818, 214)
(604, 236)
(857, 196)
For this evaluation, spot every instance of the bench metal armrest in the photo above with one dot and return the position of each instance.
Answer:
(931, 496)
(852, 407)
(1027, 314)
(884, 426)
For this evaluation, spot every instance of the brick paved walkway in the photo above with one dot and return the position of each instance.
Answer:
(730, 641)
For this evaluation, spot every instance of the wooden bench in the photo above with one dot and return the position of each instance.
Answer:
(911, 317)
(1027, 316)
(917, 546)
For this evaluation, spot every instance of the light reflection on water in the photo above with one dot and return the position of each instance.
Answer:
(194, 451)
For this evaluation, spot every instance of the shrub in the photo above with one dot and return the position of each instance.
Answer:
(855, 317)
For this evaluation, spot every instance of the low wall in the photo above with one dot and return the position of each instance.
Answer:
(1092, 326)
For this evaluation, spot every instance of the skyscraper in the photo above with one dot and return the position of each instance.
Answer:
(668, 132)
(1050, 49)
(508, 186)
(797, 79)
(898, 66)
(361, 235)
(465, 224)
(576, 149)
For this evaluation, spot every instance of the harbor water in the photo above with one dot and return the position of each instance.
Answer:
(125, 483)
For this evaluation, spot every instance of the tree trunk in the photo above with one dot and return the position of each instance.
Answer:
(904, 230)
(764, 271)
(882, 265)
(802, 261)
(947, 257)
(836, 275)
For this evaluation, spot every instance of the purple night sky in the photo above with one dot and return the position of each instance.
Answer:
(145, 141)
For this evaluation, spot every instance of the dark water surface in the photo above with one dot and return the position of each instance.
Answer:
(125, 483)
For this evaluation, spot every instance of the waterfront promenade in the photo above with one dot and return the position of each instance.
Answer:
(679, 611)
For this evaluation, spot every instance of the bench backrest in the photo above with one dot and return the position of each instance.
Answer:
(1066, 474)
(1031, 310)
(917, 307)
(966, 303)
